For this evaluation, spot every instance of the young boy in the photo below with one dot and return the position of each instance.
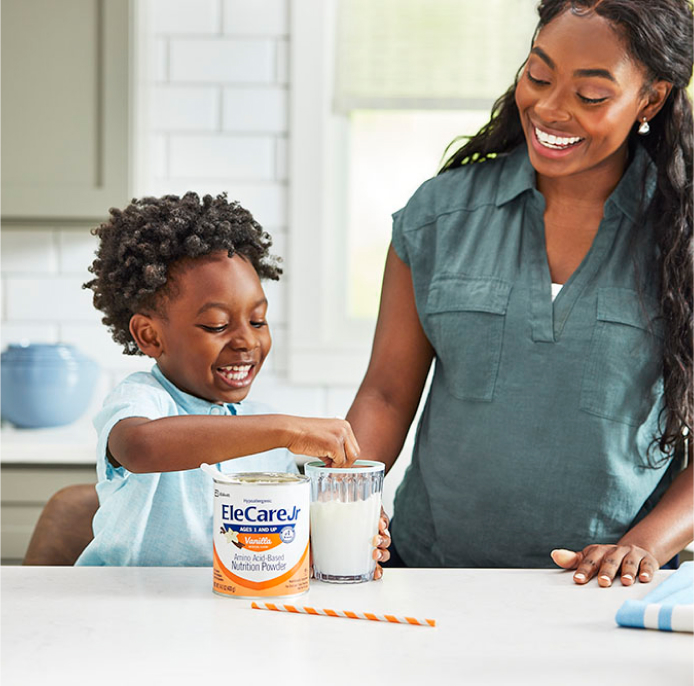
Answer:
(178, 280)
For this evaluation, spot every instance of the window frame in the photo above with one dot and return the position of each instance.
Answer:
(323, 345)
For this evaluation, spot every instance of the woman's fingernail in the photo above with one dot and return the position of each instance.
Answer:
(386, 532)
(627, 579)
(579, 576)
(562, 556)
(604, 579)
(644, 576)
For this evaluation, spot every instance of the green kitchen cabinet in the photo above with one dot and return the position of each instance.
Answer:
(25, 490)
(65, 108)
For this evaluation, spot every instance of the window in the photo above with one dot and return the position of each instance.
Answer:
(379, 89)
(390, 153)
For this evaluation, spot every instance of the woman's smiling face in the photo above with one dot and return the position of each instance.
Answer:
(579, 96)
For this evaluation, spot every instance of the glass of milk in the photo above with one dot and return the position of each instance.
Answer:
(345, 508)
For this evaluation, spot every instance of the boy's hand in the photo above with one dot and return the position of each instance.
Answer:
(381, 541)
(606, 561)
(331, 440)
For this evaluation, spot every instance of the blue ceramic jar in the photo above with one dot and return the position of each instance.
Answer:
(45, 384)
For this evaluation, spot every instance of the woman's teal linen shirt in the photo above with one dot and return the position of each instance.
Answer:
(536, 427)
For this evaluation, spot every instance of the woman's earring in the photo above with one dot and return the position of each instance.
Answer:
(644, 128)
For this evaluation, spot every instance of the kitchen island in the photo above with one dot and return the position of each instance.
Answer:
(128, 626)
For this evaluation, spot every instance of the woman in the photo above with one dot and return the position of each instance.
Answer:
(550, 422)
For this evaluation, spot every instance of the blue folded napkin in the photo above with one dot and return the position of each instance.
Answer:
(668, 607)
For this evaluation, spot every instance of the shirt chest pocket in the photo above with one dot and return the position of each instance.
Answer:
(622, 377)
(466, 317)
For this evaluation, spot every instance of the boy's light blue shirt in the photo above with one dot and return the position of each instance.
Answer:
(161, 519)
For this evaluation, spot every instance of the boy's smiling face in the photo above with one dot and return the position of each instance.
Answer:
(212, 337)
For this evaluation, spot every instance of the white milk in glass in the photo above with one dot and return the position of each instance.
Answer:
(342, 535)
(345, 509)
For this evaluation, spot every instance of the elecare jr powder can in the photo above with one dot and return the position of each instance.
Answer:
(261, 534)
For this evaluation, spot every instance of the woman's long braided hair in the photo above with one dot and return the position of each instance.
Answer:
(659, 36)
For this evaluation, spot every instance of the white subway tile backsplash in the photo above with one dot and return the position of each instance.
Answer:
(20, 334)
(154, 164)
(222, 61)
(276, 294)
(305, 401)
(184, 16)
(282, 62)
(165, 186)
(48, 299)
(278, 353)
(267, 202)
(160, 60)
(182, 108)
(279, 247)
(339, 400)
(101, 389)
(95, 340)
(76, 250)
(28, 251)
(158, 156)
(255, 110)
(217, 80)
(232, 157)
(281, 159)
(269, 366)
(256, 17)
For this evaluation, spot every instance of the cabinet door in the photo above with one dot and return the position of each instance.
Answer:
(64, 108)
(25, 490)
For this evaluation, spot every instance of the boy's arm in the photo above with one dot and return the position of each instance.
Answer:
(175, 443)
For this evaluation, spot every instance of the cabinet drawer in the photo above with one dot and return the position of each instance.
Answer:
(18, 522)
(37, 484)
(25, 491)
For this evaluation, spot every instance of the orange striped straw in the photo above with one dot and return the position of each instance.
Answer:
(393, 619)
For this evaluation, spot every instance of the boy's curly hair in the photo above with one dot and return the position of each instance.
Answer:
(140, 244)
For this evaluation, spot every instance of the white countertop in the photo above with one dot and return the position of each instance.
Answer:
(65, 625)
(72, 444)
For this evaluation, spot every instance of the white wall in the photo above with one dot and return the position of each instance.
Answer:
(214, 109)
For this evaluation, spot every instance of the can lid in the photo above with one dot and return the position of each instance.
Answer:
(359, 467)
(268, 478)
(264, 478)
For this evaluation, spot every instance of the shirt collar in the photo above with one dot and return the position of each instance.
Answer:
(190, 403)
(636, 187)
(518, 176)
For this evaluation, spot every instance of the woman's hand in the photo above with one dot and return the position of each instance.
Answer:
(606, 562)
(381, 541)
